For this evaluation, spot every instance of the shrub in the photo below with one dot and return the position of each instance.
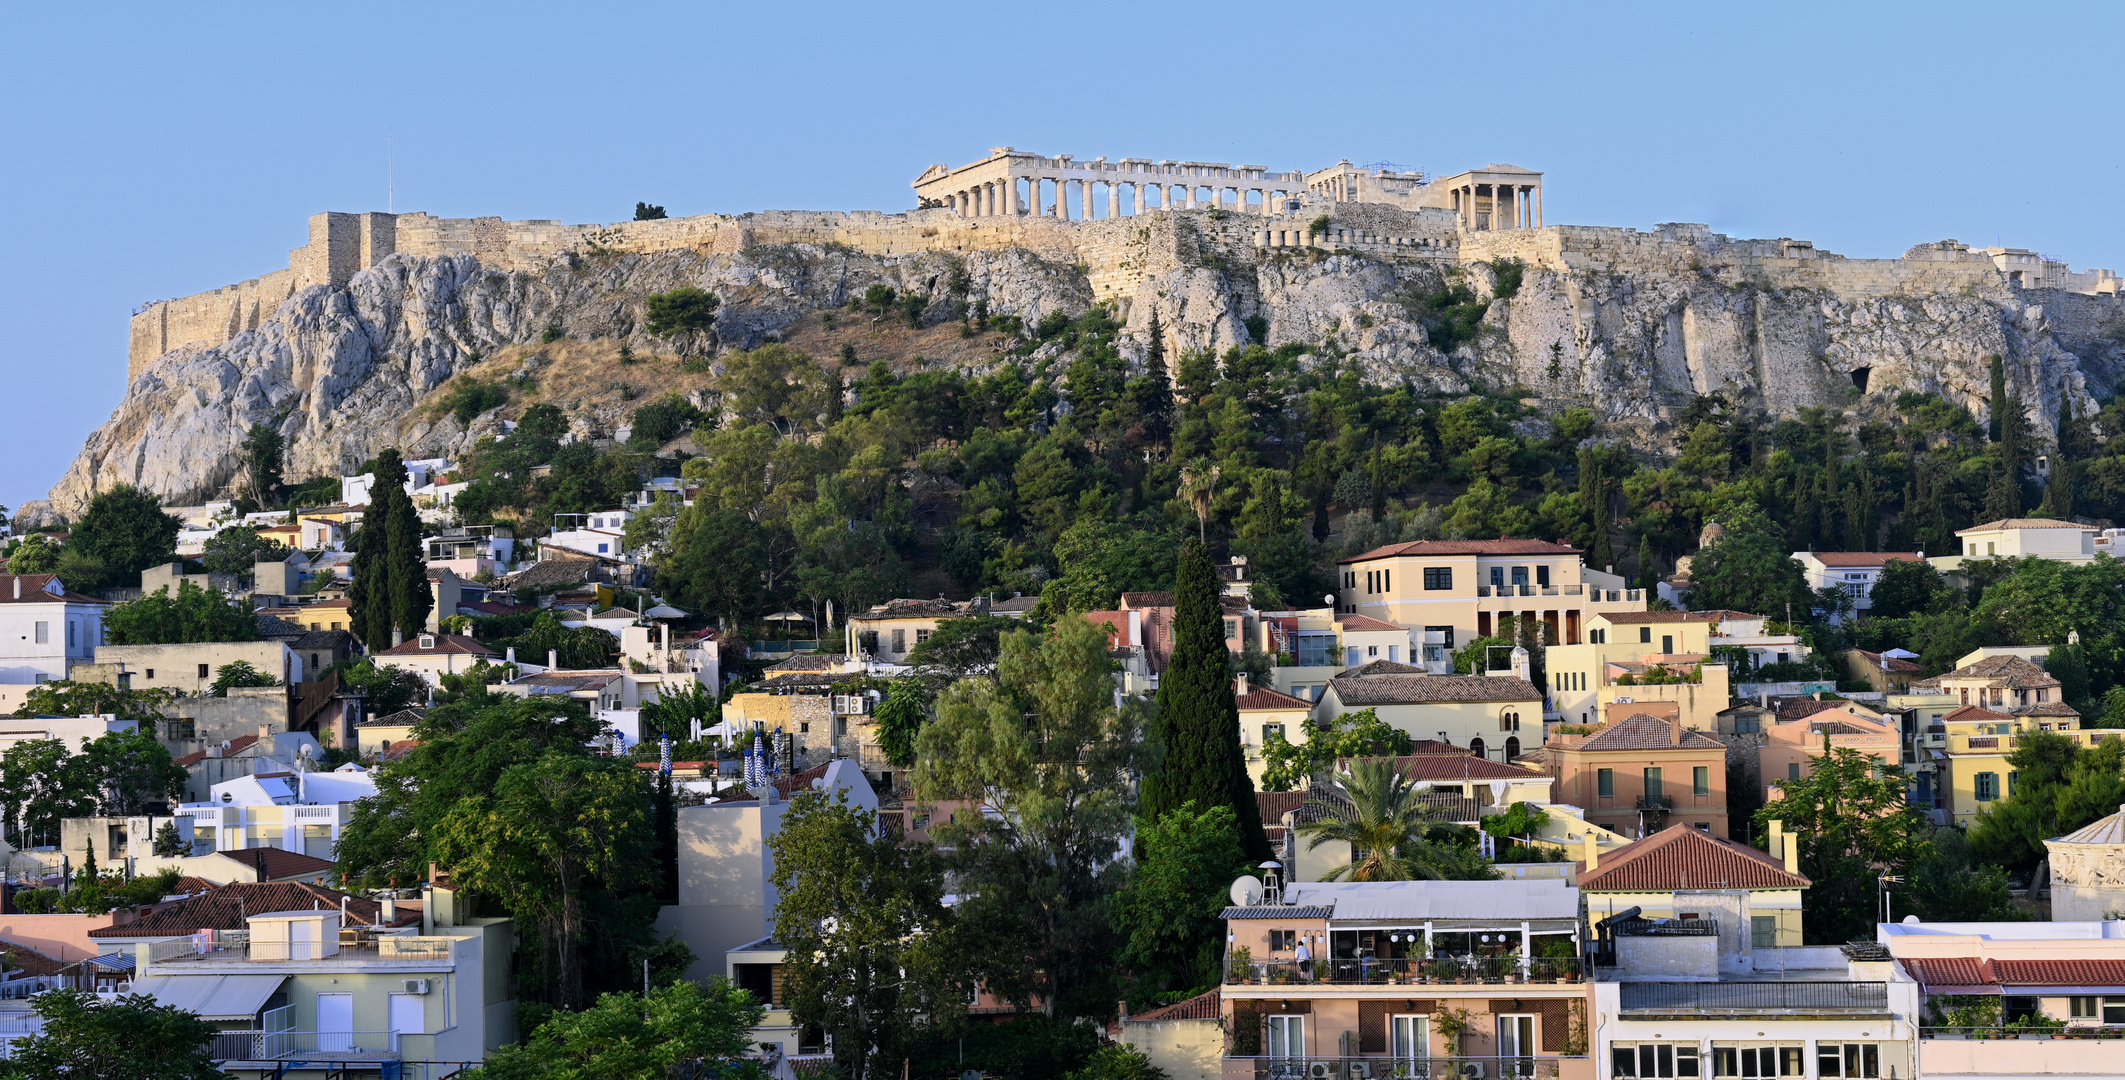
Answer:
(469, 397)
(684, 310)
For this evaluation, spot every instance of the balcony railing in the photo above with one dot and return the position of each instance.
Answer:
(1388, 1067)
(1755, 996)
(238, 946)
(1490, 971)
(308, 1045)
(2091, 1032)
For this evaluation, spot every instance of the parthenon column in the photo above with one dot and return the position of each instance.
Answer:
(1114, 200)
(988, 199)
(1538, 207)
(1084, 194)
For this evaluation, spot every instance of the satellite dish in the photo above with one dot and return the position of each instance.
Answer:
(227, 746)
(1329, 599)
(1247, 891)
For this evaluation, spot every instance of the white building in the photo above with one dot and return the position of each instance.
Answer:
(75, 731)
(592, 534)
(44, 627)
(420, 473)
(1856, 572)
(301, 811)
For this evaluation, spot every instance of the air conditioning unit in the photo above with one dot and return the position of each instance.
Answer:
(1471, 1070)
(416, 986)
(1321, 1070)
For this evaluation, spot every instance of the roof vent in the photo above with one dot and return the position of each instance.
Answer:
(427, 641)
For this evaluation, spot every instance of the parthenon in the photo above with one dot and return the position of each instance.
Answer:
(1018, 183)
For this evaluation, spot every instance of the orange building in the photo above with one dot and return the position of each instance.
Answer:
(1636, 775)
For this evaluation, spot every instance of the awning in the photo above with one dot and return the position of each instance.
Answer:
(213, 997)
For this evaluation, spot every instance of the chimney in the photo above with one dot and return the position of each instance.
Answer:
(1239, 688)
(390, 907)
(1675, 729)
(260, 858)
(553, 658)
(1776, 839)
(509, 655)
(18, 586)
(1763, 699)
(1593, 852)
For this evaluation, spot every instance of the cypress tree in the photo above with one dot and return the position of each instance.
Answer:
(1997, 403)
(390, 588)
(1593, 493)
(1198, 714)
(411, 597)
(1154, 402)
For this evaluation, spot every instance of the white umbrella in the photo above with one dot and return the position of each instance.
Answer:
(664, 611)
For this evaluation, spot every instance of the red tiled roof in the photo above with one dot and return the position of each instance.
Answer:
(1200, 1007)
(1275, 804)
(1420, 548)
(1366, 622)
(1463, 766)
(443, 643)
(1137, 601)
(1686, 857)
(1635, 617)
(1948, 970)
(321, 604)
(1897, 665)
(1802, 708)
(281, 865)
(1863, 558)
(226, 908)
(1974, 712)
(237, 745)
(2021, 523)
(1261, 697)
(2059, 972)
(1642, 732)
(32, 589)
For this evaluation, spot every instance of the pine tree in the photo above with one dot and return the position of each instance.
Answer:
(1154, 397)
(1648, 572)
(1198, 715)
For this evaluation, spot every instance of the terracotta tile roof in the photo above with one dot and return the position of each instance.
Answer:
(2008, 672)
(1463, 766)
(226, 907)
(1361, 687)
(40, 589)
(2050, 708)
(1017, 605)
(1897, 665)
(1862, 558)
(1275, 804)
(1385, 667)
(324, 604)
(567, 570)
(272, 626)
(490, 607)
(237, 746)
(1642, 732)
(1366, 622)
(1200, 1007)
(401, 718)
(2059, 972)
(1948, 970)
(809, 662)
(443, 643)
(2020, 523)
(1974, 712)
(324, 639)
(281, 865)
(1686, 857)
(1137, 601)
(1422, 548)
(1261, 697)
(31, 962)
(1801, 708)
(917, 609)
(1633, 618)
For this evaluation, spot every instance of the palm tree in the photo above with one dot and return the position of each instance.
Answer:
(1385, 828)
(1199, 487)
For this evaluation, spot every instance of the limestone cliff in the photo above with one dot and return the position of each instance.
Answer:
(1630, 324)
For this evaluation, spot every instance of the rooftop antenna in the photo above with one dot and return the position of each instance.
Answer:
(391, 173)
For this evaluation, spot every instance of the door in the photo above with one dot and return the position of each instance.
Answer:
(1287, 1045)
(409, 1016)
(335, 1021)
(301, 943)
(1516, 1046)
(1412, 1044)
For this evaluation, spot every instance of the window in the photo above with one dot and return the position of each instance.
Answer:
(1270, 731)
(1701, 780)
(70, 633)
(203, 671)
(2110, 1010)
(1509, 720)
(1988, 786)
(1759, 1060)
(1653, 1059)
(1476, 748)
(427, 641)
(1597, 637)
(1605, 783)
(921, 636)
(1232, 629)
(1283, 940)
(1848, 1059)
(179, 727)
(1438, 577)
(1792, 770)
(1749, 724)
(1763, 934)
(1652, 783)
(1497, 577)
(1989, 549)
(1667, 643)
(1372, 650)
(1287, 1036)
(1542, 576)
(1516, 1038)
(1387, 580)
(900, 641)
(44, 633)
(335, 626)
(1645, 635)
(1519, 575)
(151, 674)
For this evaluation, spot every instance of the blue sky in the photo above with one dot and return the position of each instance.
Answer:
(160, 150)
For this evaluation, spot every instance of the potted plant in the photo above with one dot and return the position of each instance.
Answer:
(1236, 968)
(1556, 956)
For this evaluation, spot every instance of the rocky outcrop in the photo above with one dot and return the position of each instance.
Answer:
(345, 371)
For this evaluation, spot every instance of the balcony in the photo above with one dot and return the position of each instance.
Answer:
(1485, 971)
(355, 950)
(1989, 1052)
(313, 1048)
(1388, 1067)
(1754, 998)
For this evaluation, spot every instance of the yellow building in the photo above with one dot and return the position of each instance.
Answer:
(1264, 712)
(1682, 872)
(890, 631)
(1968, 752)
(1458, 589)
(1585, 677)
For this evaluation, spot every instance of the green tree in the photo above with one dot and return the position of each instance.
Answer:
(389, 599)
(1853, 821)
(550, 829)
(1906, 587)
(169, 844)
(1359, 734)
(1198, 732)
(1045, 747)
(675, 1031)
(962, 647)
(1168, 913)
(717, 562)
(677, 708)
(123, 532)
(238, 548)
(684, 310)
(900, 717)
(34, 554)
(1123, 1062)
(67, 698)
(124, 1038)
(194, 614)
(37, 790)
(648, 212)
(126, 773)
(238, 673)
(262, 447)
(1388, 829)
(1750, 569)
(869, 939)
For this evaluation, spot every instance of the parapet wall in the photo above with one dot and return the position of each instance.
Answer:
(1118, 254)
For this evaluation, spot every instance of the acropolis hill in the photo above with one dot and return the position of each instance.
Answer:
(342, 348)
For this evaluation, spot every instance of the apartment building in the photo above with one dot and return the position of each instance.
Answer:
(1966, 757)
(1404, 979)
(1685, 873)
(1856, 572)
(1634, 776)
(1790, 750)
(44, 627)
(1494, 716)
(1620, 650)
(2018, 999)
(1458, 589)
